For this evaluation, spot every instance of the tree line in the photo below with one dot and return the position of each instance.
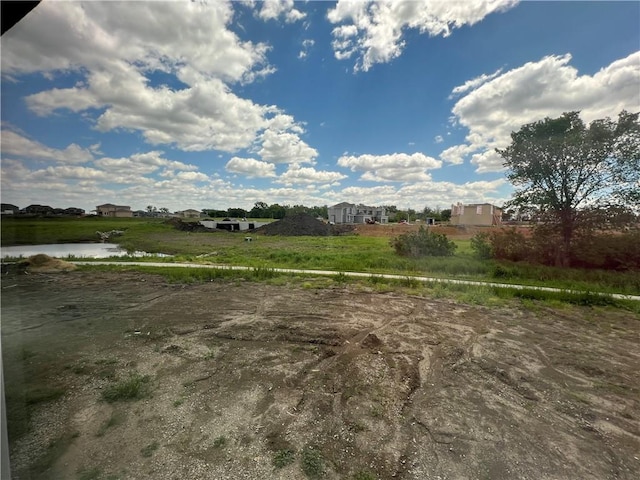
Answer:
(262, 210)
(277, 211)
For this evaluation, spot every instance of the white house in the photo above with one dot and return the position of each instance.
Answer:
(351, 213)
(481, 214)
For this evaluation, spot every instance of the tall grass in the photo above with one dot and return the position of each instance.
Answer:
(341, 254)
(134, 387)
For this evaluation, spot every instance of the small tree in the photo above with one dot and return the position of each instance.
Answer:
(481, 246)
(570, 171)
(423, 243)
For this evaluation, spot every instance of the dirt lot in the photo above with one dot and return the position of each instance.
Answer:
(341, 383)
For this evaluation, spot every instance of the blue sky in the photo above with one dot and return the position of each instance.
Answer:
(224, 104)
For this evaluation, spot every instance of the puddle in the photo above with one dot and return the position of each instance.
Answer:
(79, 250)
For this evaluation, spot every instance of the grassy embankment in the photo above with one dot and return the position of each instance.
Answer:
(340, 254)
(33, 231)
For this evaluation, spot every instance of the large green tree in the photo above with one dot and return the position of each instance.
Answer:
(571, 172)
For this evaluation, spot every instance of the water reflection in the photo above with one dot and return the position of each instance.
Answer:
(80, 250)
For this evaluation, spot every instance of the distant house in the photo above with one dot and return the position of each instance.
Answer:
(351, 213)
(73, 211)
(8, 209)
(480, 214)
(111, 210)
(190, 213)
(38, 210)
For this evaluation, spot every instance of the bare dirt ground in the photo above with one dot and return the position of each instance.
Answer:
(343, 383)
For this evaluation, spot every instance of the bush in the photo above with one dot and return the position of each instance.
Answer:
(510, 244)
(481, 246)
(499, 271)
(607, 251)
(610, 252)
(282, 458)
(423, 243)
(312, 463)
(134, 387)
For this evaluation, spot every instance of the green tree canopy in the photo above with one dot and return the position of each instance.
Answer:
(569, 171)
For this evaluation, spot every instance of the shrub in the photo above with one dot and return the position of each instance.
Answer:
(607, 251)
(610, 252)
(509, 244)
(500, 271)
(149, 449)
(135, 387)
(364, 475)
(481, 246)
(312, 463)
(423, 243)
(282, 458)
(220, 441)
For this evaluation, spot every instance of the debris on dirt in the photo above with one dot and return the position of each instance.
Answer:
(172, 349)
(104, 236)
(372, 341)
(302, 224)
(42, 263)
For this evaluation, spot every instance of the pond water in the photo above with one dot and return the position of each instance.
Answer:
(63, 250)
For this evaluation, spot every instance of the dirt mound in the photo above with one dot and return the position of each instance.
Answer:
(296, 225)
(181, 225)
(372, 341)
(42, 263)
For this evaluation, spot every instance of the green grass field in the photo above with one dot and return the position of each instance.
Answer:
(341, 253)
(33, 231)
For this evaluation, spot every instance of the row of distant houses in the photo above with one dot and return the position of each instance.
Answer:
(111, 210)
(9, 209)
(479, 214)
(106, 210)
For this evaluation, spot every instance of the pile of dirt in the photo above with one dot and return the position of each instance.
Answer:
(298, 225)
(42, 263)
(183, 226)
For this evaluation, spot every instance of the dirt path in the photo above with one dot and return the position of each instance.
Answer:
(345, 383)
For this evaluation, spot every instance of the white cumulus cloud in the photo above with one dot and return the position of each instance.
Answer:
(306, 45)
(20, 146)
(116, 55)
(297, 175)
(474, 83)
(419, 195)
(536, 90)
(142, 163)
(374, 31)
(281, 142)
(395, 167)
(250, 167)
(273, 9)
